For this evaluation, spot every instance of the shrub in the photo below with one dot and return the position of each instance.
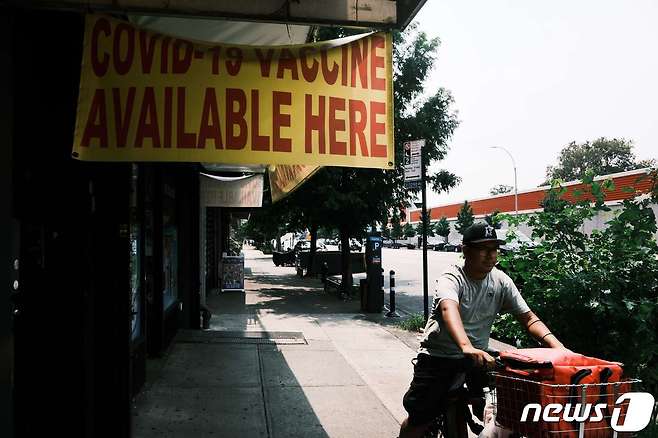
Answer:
(599, 292)
(414, 322)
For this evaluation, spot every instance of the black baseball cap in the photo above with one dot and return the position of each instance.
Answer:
(481, 232)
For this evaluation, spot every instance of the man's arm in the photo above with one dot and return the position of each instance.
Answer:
(538, 330)
(453, 322)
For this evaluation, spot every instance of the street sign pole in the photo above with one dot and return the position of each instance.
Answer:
(414, 178)
(425, 223)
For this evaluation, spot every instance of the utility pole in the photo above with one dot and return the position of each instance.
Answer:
(516, 190)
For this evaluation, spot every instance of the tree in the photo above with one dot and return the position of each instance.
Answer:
(356, 197)
(430, 229)
(425, 217)
(465, 217)
(271, 221)
(602, 156)
(327, 233)
(604, 282)
(294, 213)
(500, 189)
(494, 219)
(396, 228)
(383, 226)
(302, 214)
(443, 228)
(408, 230)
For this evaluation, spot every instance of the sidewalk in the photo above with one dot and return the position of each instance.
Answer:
(282, 359)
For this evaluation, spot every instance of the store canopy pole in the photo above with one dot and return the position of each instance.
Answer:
(424, 222)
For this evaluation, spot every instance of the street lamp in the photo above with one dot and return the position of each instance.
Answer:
(516, 193)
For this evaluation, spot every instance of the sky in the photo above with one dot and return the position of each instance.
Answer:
(532, 76)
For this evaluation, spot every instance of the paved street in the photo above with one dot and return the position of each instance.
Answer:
(408, 267)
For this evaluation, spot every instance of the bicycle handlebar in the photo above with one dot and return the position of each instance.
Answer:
(501, 364)
(470, 363)
(517, 364)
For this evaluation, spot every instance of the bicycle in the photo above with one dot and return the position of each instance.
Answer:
(455, 418)
(507, 396)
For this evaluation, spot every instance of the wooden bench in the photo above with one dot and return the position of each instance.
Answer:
(332, 259)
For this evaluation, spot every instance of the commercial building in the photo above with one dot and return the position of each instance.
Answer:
(105, 261)
(626, 185)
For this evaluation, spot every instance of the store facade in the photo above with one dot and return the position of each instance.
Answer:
(105, 260)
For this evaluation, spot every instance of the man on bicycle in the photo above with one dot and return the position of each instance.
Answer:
(466, 302)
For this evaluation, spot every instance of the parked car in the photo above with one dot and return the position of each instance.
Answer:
(286, 258)
(355, 245)
(452, 247)
(305, 245)
(302, 245)
(390, 243)
(516, 242)
(330, 244)
(439, 246)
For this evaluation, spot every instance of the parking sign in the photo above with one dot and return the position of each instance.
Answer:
(413, 160)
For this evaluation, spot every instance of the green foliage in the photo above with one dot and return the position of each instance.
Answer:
(651, 431)
(500, 189)
(409, 230)
(414, 322)
(442, 227)
(241, 231)
(396, 228)
(425, 217)
(383, 226)
(385, 230)
(266, 247)
(327, 233)
(494, 219)
(419, 229)
(599, 292)
(602, 156)
(465, 217)
(269, 222)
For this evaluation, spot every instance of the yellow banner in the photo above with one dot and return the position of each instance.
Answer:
(284, 179)
(151, 97)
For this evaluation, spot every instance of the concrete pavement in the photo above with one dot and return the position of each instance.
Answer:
(282, 359)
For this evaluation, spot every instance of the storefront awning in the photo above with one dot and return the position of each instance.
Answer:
(236, 192)
(382, 14)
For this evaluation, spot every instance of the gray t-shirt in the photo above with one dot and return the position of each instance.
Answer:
(479, 303)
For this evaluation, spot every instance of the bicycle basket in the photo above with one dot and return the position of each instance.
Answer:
(577, 415)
